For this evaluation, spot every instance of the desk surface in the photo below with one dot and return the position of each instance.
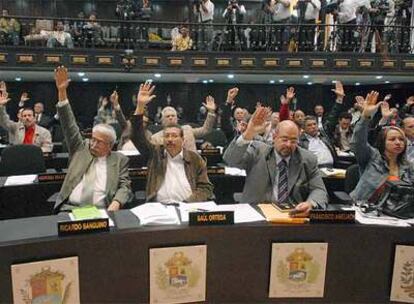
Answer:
(114, 266)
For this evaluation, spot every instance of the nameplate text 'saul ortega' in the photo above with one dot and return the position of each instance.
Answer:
(83, 226)
(211, 218)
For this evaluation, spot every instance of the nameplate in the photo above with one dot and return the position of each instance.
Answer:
(211, 218)
(138, 172)
(83, 227)
(51, 177)
(216, 170)
(332, 216)
(210, 151)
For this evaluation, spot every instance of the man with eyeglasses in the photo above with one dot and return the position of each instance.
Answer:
(96, 175)
(283, 172)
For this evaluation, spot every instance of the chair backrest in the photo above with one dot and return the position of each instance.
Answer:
(216, 137)
(351, 178)
(22, 159)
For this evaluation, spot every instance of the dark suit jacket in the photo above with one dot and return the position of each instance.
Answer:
(118, 185)
(259, 161)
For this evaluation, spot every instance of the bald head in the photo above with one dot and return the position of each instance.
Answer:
(286, 138)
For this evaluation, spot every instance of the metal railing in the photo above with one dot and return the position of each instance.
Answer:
(147, 35)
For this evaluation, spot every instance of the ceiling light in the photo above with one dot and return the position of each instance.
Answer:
(205, 81)
(271, 81)
(230, 76)
(157, 75)
(85, 79)
(333, 81)
(211, 80)
(281, 81)
(310, 83)
(81, 74)
(387, 81)
(18, 79)
(306, 76)
(379, 77)
(357, 83)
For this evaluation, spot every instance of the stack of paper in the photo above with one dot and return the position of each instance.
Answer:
(234, 171)
(89, 212)
(186, 208)
(15, 180)
(334, 172)
(156, 214)
(369, 219)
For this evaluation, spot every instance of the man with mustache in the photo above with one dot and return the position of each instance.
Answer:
(174, 173)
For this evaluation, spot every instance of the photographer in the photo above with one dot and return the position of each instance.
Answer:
(234, 14)
(377, 14)
(204, 12)
(281, 17)
(125, 10)
(308, 13)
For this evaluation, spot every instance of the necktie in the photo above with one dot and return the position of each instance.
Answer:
(282, 182)
(89, 184)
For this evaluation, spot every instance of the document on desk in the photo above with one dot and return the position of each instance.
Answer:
(243, 213)
(156, 214)
(186, 208)
(333, 172)
(234, 171)
(129, 152)
(364, 218)
(16, 180)
(90, 212)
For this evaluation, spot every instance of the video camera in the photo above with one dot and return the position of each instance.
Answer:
(233, 3)
(332, 6)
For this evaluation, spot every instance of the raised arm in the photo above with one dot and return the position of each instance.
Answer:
(120, 117)
(208, 125)
(337, 109)
(359, 142)
(138, 137)
(5, 120)
(284, 103)
(67, 120)
(226, 108)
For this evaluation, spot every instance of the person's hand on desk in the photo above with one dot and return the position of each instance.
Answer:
(114, 206)
(301, 210)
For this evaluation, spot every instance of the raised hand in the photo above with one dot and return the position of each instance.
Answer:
(231, 95)
(290, 93)
(114, 98)
(24, 97)
(370, 105)
(339, 90)
(144, 96)
(3, 87)
(385, 110)
(4, 98)
(257, 123)
(210, 105)
(410, 101)
(61, 78)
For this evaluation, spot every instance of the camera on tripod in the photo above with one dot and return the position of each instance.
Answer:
(332, 7)
(197, 4)
(233, 3)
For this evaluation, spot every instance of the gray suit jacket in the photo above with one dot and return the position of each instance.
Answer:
(118, 185)
(16, 130)
(259, 161)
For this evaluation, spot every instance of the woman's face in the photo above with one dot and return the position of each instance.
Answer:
(394, 142)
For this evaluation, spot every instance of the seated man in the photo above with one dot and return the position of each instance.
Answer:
(59, 37)
(182, 41)
(95, 175)
(283, 172)
(169, 117)
(25, 131)
(174, 173)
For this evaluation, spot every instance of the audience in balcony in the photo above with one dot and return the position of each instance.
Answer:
(93, 31)
(182, 41)
(204, 15)
(59, 38)
(9, 29)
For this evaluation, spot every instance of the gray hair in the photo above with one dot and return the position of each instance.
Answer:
(107, 130)
(166, 109)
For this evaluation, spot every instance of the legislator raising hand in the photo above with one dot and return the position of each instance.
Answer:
(144, 96)
(62, 81)
(210, 104)
(257, 123)
(370, 105)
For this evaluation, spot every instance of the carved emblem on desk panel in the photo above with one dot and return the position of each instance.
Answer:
(402, 289)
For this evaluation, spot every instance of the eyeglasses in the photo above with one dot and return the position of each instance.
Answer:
(291, 140)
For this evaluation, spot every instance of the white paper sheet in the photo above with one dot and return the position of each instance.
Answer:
(364, 218)
(156, 214)
(243, 213)
(234, 171)
(186, 208)
(15, 180)
(129, 152)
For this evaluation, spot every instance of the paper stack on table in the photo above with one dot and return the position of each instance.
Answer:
(156, 214)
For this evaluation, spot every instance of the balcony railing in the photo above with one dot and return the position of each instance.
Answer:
(37, 32)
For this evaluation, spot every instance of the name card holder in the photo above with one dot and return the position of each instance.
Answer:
(332, 216)
(83, 226)
(138, 172)
(210, 151)
(50, 177)
(216, 170)
(211, 218)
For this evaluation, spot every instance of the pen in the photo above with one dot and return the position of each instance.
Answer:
(295, 220)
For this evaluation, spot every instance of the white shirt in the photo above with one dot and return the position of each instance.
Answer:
(311, 11)
(321, 151)
(345, 140)
(281, 12)
(100, 184)
(348, 8)
(175, 186)
(242, 11)
(209, 15)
